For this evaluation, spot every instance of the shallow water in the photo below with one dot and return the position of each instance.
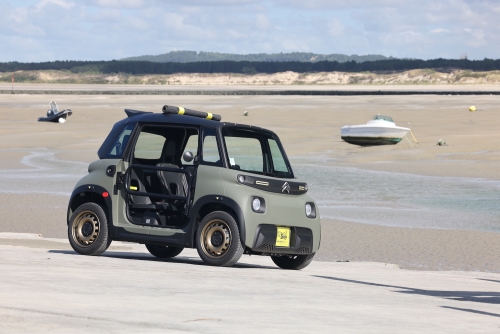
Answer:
(350, 194)
(44, 174)
(397, 199)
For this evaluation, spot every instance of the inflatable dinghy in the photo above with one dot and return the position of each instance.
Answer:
(54, 115)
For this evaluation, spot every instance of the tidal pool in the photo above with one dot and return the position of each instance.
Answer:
(397, 199)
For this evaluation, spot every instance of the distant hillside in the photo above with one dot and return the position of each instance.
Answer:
(193, 56)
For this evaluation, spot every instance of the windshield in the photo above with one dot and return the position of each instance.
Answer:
(256, 152)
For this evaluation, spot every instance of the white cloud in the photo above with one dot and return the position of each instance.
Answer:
(118, 3)
(339, 4)
(335, 27)
(439, 31)
(262, 22)
(215, 3)
(475, 38)
(62, 3)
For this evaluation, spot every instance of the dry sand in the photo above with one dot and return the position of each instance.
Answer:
(308, 126)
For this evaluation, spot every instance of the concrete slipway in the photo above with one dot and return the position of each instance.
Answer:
(46, 287)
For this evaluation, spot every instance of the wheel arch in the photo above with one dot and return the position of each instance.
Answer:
(211, 203)
(90, 194)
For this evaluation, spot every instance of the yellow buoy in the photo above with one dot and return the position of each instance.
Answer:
(472, 108)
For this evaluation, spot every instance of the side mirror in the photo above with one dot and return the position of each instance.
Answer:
(188, 156)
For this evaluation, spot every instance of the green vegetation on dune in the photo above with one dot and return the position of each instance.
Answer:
(247, 67)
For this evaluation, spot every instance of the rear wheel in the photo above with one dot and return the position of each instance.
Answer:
(218, 240)
(164, 252)
(88, 230)
(294, 262)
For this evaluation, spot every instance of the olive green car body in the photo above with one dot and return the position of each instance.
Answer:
(214, 188)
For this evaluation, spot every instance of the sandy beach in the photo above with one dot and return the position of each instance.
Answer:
(40, 162)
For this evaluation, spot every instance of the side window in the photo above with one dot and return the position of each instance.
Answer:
(149, 146)
(244, 153)
(191, 146)
(210, 153)
(278, 161)
(121, 142)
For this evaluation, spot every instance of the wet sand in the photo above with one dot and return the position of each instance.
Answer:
(410, 248)
(307, 126)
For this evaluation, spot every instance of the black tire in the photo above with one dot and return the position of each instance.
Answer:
(109, 242)
(164, 252)
(293, 262)
(218, 240)
(88, 230)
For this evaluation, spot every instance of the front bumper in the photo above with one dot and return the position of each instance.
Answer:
(301, 241)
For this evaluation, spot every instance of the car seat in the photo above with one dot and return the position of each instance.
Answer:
(176, 183)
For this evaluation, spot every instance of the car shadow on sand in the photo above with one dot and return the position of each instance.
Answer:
(489, 280)
(146, 257)
(485, 297)
(472, 311)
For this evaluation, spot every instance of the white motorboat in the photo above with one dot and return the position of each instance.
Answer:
(380, 131)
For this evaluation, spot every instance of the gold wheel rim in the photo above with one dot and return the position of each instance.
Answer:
(210, 229)
(85, 228)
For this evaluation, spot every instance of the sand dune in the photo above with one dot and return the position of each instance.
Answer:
(412, 77)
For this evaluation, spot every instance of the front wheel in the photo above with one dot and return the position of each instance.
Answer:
(88, 230)
(218, 240)
(164, 252)
(294, 262)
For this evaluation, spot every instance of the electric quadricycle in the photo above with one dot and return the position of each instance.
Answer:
(185, 179)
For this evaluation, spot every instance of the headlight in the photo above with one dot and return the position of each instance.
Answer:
(258, 205)
(310, 210)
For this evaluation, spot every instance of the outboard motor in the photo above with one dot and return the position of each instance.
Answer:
(54, 109)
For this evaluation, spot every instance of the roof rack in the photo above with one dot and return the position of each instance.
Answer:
(189, 112)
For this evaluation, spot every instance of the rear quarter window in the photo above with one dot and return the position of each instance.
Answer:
(119, 145)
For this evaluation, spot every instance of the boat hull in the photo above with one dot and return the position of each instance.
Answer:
(371, 141)
(374, 133)
(55, 118)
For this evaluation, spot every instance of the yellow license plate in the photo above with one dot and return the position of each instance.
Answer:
(283, 237)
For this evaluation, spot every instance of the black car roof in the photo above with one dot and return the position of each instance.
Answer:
(137, 116)
(151, 117)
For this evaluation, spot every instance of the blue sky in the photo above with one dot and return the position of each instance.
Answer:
(47, 30)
